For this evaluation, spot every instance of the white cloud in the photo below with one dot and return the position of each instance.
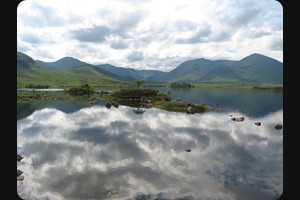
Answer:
(166, 29)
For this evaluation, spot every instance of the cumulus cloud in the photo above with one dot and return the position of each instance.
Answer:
(176, 29)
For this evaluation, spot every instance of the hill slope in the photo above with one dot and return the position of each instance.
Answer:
(29, 72)
(136, 74)
(61, 64)
(253, 69)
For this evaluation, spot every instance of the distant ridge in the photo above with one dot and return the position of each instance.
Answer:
(253, 69)
(61, 64)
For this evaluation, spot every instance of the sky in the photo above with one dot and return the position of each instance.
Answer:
(149, 34)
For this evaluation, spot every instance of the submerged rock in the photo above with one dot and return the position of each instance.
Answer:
(20, 178)
(108, 105)
(190, 110)
(278, 126)
(116, 105)
(138, 111)
(19, 157)
(238, 119)
(19, 172)
(257, 123)
(114, 194)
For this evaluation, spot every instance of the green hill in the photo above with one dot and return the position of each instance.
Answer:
(29, 72)
(253, 69)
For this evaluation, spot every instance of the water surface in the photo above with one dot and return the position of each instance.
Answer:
(84, 153)
(253, 102)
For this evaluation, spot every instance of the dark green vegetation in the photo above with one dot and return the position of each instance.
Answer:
(181, 85)
(275, 89)
(232, 85)
(68, 72)
(82, 90)
(37, 86)
(180, 106)
(138, 95)
(32, 96)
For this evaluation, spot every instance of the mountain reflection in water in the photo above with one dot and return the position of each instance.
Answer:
(88, 153)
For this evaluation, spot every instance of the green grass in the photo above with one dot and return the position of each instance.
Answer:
(66, 78)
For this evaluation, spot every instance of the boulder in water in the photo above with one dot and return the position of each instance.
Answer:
(278, 126)
(19, 157)
(257, 123)
(19, 172)
(238, 119)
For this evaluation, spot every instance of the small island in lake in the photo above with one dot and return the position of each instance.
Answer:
(147, 98)
(138, 98)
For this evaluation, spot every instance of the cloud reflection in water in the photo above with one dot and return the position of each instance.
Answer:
(87, 153)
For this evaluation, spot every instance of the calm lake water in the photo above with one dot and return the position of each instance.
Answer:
(75, 152)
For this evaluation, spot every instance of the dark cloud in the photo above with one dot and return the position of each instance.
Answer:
(30, 38)
(222, 36)
(22, 48)
(118, 44)
(243, 17)
(125, 25)
(276, 44)
(122, 23)
(95, 34)
(135, 56)
(129, 19)
(237, 17)
(201, 35)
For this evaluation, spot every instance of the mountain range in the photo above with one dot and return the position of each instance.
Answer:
(68, 71)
